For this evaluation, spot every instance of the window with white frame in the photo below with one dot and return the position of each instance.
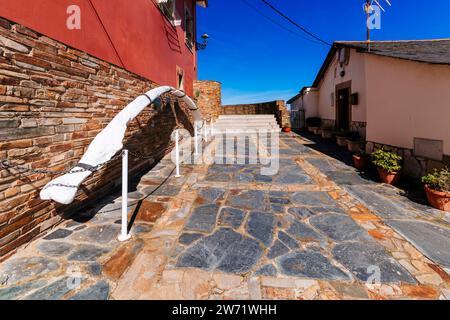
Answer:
(189, 27)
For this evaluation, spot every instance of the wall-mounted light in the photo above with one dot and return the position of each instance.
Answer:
(204, 44)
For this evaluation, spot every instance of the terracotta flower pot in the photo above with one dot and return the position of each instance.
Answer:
(353, 146)
(286, 129)
(439, 200)
(341, 141)
(388, 177)
(361, 161)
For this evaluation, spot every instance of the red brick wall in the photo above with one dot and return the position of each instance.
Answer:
(278, 108)
(53, 101)
(209, 97)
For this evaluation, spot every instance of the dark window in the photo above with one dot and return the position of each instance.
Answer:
(168, 8)
(189, 28)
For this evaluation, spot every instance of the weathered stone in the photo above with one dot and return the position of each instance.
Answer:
(211, 195)
(86, 253)
(300, 213)
(347, 178)
(58, 234)
(251, 200)
(267, 270)
(279, 200)
(203, 218)
(312, 198)
(339, 227)
(432, 240)
(231, 217)
(300, 230)
(56, 290)
(94, 269)
(98, 291)
(150, 211)
(277, 249)
(167, 190)
(14, 292)
(225, 250)
(310, 264)
(293, 178)
(188, 238)
(122, 259)
(97, 234)
(287, 240)
(261, 226)
(365, 259)
(54, 249)
(22, 269)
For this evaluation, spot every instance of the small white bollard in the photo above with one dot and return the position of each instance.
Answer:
(196, 138)
(124, 236)
(177, 154)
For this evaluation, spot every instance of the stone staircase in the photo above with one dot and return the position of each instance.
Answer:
(241, 123)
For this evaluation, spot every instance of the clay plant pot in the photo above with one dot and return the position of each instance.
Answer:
(327, 134)
(388, 177)
(318, 131)
(361, 161)
(437, 199)
(341, 141)
(353, 146)
(286, 129)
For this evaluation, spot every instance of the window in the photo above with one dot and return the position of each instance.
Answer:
(168, 8)
(189, 27)
(180, 79)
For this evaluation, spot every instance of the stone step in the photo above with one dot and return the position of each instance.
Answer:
(248, 121)
(256, 116)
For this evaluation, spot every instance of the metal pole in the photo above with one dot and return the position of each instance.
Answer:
(205, 134)
(124, 236)
(177, 154)
(196, 138)
(212, 127)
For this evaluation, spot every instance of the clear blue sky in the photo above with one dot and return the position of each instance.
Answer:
(257, 60)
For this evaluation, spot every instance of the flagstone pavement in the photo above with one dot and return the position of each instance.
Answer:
(315, 230)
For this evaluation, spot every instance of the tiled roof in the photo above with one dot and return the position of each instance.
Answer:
(430, 51)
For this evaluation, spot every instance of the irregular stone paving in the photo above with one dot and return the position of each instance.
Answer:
(315, 230)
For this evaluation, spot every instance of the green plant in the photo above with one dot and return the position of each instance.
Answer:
(389, 161)
(197, 93)
(341, 133)
(438, 180)
(313, 122)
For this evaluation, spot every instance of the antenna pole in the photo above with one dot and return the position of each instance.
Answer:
(368, 3)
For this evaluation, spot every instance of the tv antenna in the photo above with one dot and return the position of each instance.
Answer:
(369, 9)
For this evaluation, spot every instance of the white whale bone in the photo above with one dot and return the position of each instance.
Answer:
(107, 143)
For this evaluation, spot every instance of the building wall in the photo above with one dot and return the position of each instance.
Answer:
(209, 97)
(354, 72)
(277, 108)
(415, 104)
(53, 101)
(134, 34)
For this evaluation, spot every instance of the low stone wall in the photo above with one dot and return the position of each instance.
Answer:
(277, 108)
(414, 167)
(209, 97)
(53, 101)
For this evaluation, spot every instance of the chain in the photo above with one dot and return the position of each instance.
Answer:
(140, 155)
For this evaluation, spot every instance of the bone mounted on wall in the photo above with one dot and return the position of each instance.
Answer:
(106, 144)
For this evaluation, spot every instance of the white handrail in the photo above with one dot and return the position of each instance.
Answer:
(107, 143)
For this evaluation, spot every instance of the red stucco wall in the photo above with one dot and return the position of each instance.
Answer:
(132, 34)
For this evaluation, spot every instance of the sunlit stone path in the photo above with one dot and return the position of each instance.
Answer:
(314, 230)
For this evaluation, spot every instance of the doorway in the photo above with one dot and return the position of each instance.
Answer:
(343, 108)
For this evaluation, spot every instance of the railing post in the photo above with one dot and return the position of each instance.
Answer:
(124, 236)
(205, 134)
(196, 138)
(177, 154)
(212, 128)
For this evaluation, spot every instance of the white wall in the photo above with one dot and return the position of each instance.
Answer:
(407, 99)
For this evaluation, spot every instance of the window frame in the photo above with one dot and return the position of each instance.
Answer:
(168, 12)
(190, 43)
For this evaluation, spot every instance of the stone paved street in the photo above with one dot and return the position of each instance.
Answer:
(315, 230)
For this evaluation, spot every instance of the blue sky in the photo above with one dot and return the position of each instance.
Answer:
(257, 60)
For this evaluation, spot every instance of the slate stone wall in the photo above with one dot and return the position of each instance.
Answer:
(209, 97)
(53, 101)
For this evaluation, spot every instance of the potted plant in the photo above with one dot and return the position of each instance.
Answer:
(287, 129)
(341, 138)
(327, 132)
(437, 188)
(361, 160)
(388, 165)
(353, 142)
(313, 123)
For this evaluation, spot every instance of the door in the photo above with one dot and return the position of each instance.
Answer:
(343, 114)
